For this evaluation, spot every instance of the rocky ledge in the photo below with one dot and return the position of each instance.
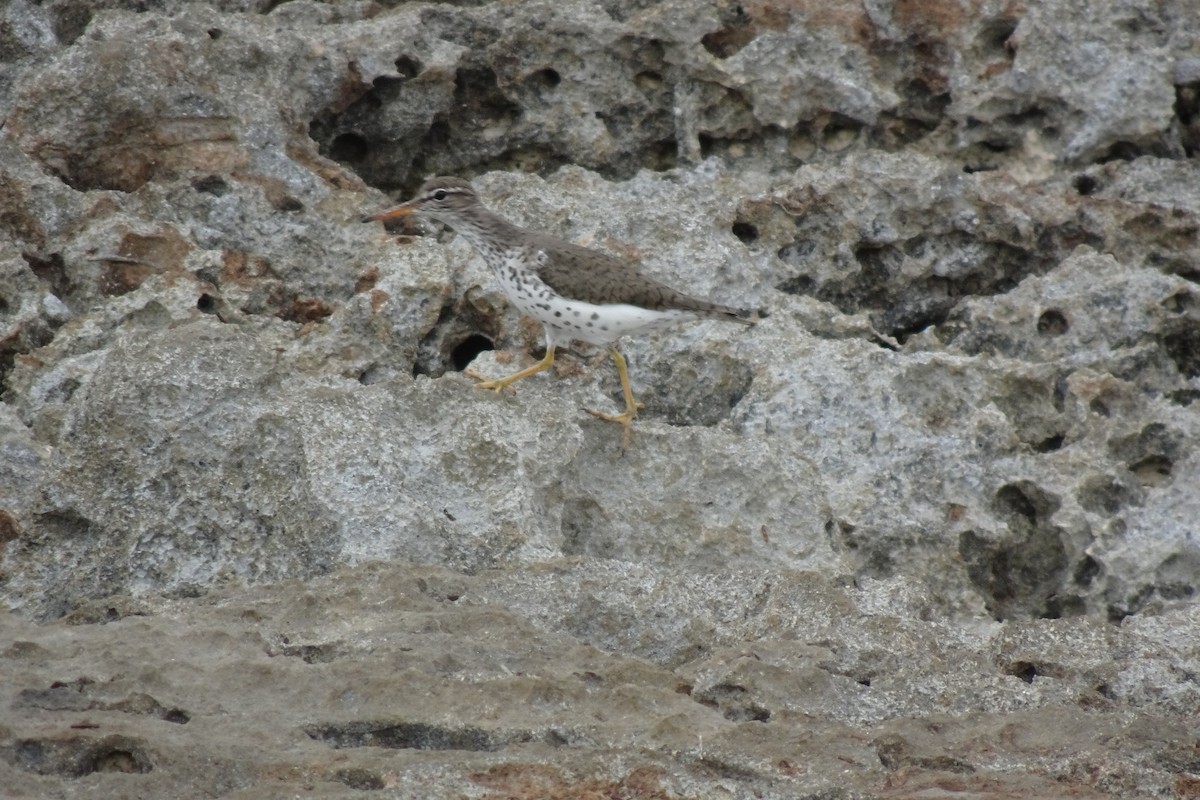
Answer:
(930, 528)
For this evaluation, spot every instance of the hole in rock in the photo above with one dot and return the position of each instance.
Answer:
(177, 716)
(1024, 670)
(1183, 347)
(1085, 184)
(1086, 571)
(466, 350)
(548, 78)
(1049, 444)
(1121, 151)
(1052, 322)
(745, 231)
(211, 184)
(408, 67)
(997, 35)
(349, 147)
(117, 761)
(402, 736)
(1152, 470)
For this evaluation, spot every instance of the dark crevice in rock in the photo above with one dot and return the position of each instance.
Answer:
(70, 20)
(463, 330)
(53, 270)
(1177, 577)
(1023, 574)
(1183, 348)
(408, 66)
(836, 132)
(1187, 111)
(1180, 302)
(995, 37)
(732, 701)
(1184, 397)
(478, 97)
(75, 756)
(1153, 470)
(1122, 151)
(465, 351)
(745, 231)
(1086, 571)
(1133, 601)
(1025, 670)
(404, 736)
(78, 696)
(1052, 322)
(1175, 580)
(901, 306)
(349, 147)
(1150, 453)
(1050, 444)
(661, 156)
(1086, 185)
(737, 31)
(895, 131)
(211, 184)
(798, 284)
(922, 108)
(544, 80)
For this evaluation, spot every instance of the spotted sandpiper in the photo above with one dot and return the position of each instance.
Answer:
(575, 292)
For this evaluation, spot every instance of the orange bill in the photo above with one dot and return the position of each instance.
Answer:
(396, 212)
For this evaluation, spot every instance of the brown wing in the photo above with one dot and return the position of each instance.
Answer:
(596, 277)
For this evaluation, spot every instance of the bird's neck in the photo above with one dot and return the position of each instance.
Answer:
(485, 230)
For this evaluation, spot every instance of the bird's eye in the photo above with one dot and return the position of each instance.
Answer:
(439, 195)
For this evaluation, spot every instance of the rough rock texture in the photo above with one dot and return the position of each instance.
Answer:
(932, 527)
(578, 678)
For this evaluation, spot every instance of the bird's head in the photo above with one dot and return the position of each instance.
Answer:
(438, 198)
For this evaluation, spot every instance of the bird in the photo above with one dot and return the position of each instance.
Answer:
(575, 292)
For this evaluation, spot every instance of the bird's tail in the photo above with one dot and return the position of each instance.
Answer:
(742, 316)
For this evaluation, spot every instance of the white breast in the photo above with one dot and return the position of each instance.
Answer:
(566, 319)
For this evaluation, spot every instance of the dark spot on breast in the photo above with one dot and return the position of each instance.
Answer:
(558, 313)
(576, 313)
(595, 315)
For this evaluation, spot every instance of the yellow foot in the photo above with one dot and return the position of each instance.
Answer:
(625, 418)
(499, 384)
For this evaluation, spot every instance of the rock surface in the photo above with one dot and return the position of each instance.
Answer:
(930, 527)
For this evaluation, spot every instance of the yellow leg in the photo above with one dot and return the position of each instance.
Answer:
(500, 384)
(631, 407)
